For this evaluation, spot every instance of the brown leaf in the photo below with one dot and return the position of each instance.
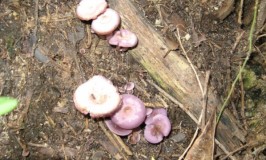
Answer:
(203, 147)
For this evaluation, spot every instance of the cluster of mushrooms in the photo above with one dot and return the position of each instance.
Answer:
(123, 113)
(104, 23)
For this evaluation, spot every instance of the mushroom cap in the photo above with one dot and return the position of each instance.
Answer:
(131, 114)
(106, 23)
(90, 9)
(157, 129)
(148, 112)
(98, 96)
(123, 38)
(116, 129)
(155, 112)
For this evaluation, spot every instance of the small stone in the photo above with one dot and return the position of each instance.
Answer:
(179, 137)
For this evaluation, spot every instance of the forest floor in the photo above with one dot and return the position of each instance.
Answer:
(43, 61)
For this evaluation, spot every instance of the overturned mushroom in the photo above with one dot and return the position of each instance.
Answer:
(158, 128)
(98, 96)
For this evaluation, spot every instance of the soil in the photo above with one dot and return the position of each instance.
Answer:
(42, 65)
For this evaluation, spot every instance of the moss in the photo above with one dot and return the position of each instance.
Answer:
(10, 46)
(249, 79)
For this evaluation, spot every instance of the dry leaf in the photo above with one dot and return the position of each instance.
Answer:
(203, 147)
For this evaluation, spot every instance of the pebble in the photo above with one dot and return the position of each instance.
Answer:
(179, 137)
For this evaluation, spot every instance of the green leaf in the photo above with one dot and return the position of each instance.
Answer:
(7, 104)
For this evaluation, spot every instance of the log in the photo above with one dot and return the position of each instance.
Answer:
(173, 73)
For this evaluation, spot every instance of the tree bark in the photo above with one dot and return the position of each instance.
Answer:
(173, 73)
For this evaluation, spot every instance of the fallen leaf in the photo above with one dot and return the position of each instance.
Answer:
(203, 147)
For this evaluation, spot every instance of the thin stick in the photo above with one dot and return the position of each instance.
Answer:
(250, 38)
(5, 14)
(43, 145)
(224, 149)
(111, 138)
(190, 144)
(165, 94)
(239, 14)
(189, 61)
(243, 117)
(123, 145)
(238, 149)
(36, 27)
(238, 38)
(204, 104)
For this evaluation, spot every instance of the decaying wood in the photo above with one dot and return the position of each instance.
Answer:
(225, 9)
(173, 72)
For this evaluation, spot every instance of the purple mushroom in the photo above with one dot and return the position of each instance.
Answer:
(149, 111)
(158, 128)
(123, 39)
(116, 129)
(127, 88)
(131, 114)
(153, 113)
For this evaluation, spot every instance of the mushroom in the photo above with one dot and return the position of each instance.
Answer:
(90, 9)
(153, 113)
(98, 96)
(106, 23)
(127, 88)
(148, 111)
(131, 114)
(159, 127)
(116, 129)
(124, 39)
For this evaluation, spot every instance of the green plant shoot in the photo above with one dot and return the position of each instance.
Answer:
(7, 104)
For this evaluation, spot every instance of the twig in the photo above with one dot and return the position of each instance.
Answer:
(224, 149)
(259, 149)
(36, 12)
(89, 38)
(64, 151)
(123, 145)
(243, 117)
(250, 38)
(238, 38)
(25, 110)
(165, 94)
(111, 138)
(44, 145)
(204, 104)
(239, 149)
(190, 144)
(239, 14)
(190, 63)
(5, 13)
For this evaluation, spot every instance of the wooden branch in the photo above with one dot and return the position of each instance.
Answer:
(173, 73)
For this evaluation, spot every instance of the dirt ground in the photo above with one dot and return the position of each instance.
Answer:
(46, 124)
